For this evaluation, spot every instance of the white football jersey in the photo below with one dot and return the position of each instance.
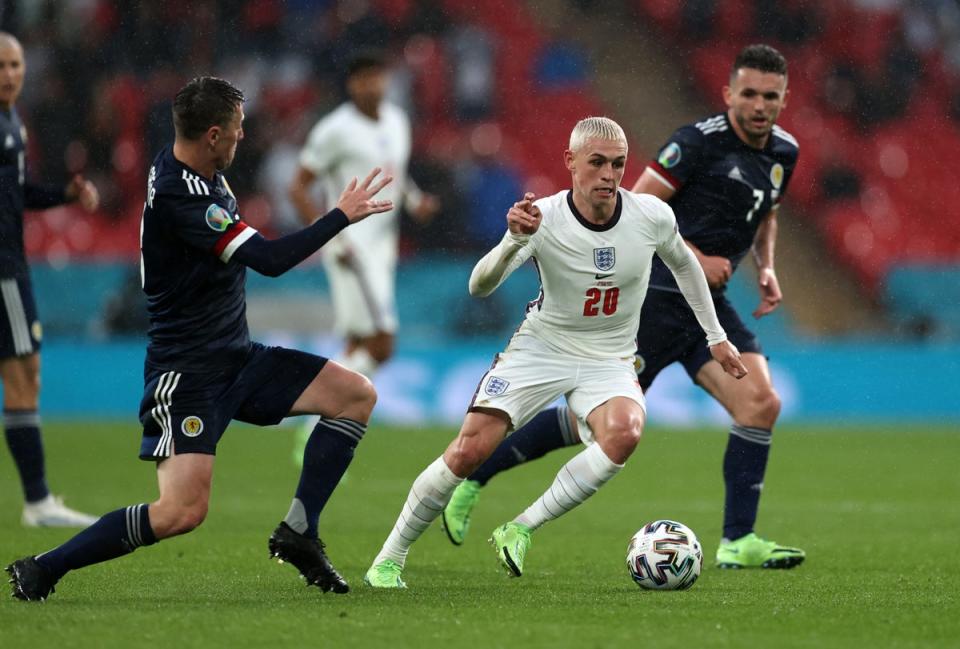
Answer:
(594, 278)
(347, 144)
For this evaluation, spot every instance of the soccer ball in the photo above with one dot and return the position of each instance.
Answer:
(664, 555)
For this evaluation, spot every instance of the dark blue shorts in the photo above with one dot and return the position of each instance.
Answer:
(187, 412)
(20, 330)
(669, 332)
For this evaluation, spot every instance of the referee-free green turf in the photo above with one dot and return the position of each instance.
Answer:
(876, 509)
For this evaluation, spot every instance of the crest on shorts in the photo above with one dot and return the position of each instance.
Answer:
(191, 426)
(218, 218)
(639, 363)
(604, 258)
(496, 386)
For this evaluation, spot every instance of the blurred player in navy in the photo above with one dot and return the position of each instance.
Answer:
(202, 370)
(724, 178)
(20, 330)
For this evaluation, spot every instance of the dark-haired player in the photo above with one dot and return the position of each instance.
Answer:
(20, 330)
(724, 177)
(364, 132)
(202, 370)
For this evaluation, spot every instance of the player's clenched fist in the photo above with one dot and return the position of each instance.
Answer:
(84, 192)
(524, 217)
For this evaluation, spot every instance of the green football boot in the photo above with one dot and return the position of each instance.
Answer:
(751, 551)
(385, 574)
(456, 515)
(511, 542)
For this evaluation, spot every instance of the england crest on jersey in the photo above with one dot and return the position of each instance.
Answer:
(604, 258)
(496, 386)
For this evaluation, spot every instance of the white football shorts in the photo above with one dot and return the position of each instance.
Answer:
(528, 376)
(364, 292)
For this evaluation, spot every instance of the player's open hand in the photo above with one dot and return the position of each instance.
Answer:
(524, 217)
(84, 192)
(728, 356)
(357, 202)
(770, 295)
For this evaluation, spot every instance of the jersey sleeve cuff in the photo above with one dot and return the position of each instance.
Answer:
(519, 240)
(716, 338)
(338, 215)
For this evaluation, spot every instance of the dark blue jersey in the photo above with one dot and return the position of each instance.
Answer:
(195, 290)
(16, 194)
(724, 187)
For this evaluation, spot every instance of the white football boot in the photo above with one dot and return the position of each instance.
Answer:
(51, 512)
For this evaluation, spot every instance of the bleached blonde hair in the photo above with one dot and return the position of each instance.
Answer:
(599, 128)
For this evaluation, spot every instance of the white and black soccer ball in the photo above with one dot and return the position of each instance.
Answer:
(664, 555)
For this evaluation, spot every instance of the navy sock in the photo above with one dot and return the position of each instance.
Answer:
(22, 430)
(547, 431)
(744, 465)
(326, 457)
(118, 533)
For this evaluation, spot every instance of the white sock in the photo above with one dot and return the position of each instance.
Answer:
(360, 361)
(428, 496)
(579, 479)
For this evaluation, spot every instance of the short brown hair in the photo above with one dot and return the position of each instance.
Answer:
(202, 103)
(760, 57)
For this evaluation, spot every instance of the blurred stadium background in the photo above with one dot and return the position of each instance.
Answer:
(869, 248)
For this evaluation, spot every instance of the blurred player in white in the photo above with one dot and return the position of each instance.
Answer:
(592, 246)
(362, 133)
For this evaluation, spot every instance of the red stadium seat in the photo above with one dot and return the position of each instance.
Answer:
(665, 13)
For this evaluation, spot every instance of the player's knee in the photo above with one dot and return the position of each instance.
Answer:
(466, 458)
(32, 380)
(622, 435)
(22, 390)
(761, 409)
(765, 407)
(364, 396)
(469, 451)
(171, 519)
(357, 398)
(190, 518)
(627, 431)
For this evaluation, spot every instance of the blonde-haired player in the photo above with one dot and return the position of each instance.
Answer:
(592, 246)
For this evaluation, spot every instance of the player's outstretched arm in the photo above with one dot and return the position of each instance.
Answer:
(42, 196)
(277, 256)
(523, 221)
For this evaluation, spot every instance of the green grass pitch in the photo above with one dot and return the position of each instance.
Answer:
(876, 508)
